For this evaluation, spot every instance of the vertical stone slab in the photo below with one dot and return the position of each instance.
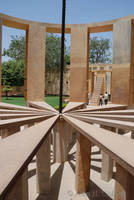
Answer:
(43, 168)
(91, 82)
(124, 184)
(35, 63)
(83, 159)
(122, 32)
(107, 162)
(0, 55)
(60, 141)
(79, 64)
(131, 90)
(106, 168)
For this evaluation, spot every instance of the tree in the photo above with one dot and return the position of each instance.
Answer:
(16, 50)
(100, 50)
(7, 89)
(53, 53)
(13, 73)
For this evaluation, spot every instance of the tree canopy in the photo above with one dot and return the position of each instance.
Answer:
(13, 73)
(100, 50)
(16, 50)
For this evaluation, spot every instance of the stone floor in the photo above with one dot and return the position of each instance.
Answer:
(63, 180)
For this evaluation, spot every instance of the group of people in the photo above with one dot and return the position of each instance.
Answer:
(104, 99)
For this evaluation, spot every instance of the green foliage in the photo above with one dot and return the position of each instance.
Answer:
(63, 106)
(53, 53)
(100, 50)
(13, 73)
(16, 50)
(7, 89)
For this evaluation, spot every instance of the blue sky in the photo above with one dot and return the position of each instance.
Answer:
(78, 11)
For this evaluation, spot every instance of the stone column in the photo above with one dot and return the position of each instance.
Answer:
(132, 134)
(107, 162)
(91, 82)
(79, 64)
(124, 184)
(0, 55)
(83, 159)
(35, 63)
(123, 63)
(43, 168)
(60, 141)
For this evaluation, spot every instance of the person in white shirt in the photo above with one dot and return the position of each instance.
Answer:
(106, 98)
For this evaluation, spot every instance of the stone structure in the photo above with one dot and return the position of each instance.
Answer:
(17, 149)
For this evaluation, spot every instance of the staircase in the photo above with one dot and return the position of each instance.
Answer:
(97, 91)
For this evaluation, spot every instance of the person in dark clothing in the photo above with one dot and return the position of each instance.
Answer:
(101, 100)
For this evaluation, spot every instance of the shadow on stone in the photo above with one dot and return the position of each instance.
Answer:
(96, 193)
(96, 159)
(95, 153)
(31, 173)
(72, 166)
(55, 185)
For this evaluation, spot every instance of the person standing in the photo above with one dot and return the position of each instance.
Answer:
(101, 100)
(106, 98)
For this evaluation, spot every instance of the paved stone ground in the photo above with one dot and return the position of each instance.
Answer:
(63, 180)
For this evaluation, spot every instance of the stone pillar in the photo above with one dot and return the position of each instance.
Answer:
(83, 159)
(9, 131)
(35, 63)
(43, 168)
(107, 162)
(123, 85)
(0, 55)
(79, 64)
(91, 82)
(132, 134)
(124, 184)
(60, 141)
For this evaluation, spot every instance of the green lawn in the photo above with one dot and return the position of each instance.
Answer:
(52, 100)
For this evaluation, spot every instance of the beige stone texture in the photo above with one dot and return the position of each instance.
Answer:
(90, 82)
(83, 159)
(35, 63)
(124, 184)
(120, 83)
(79, 64)
(121, 61)
(131, 90)
(43, 168)
(60, 141)
(103, 75)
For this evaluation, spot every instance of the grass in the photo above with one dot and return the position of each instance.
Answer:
(51, 100)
